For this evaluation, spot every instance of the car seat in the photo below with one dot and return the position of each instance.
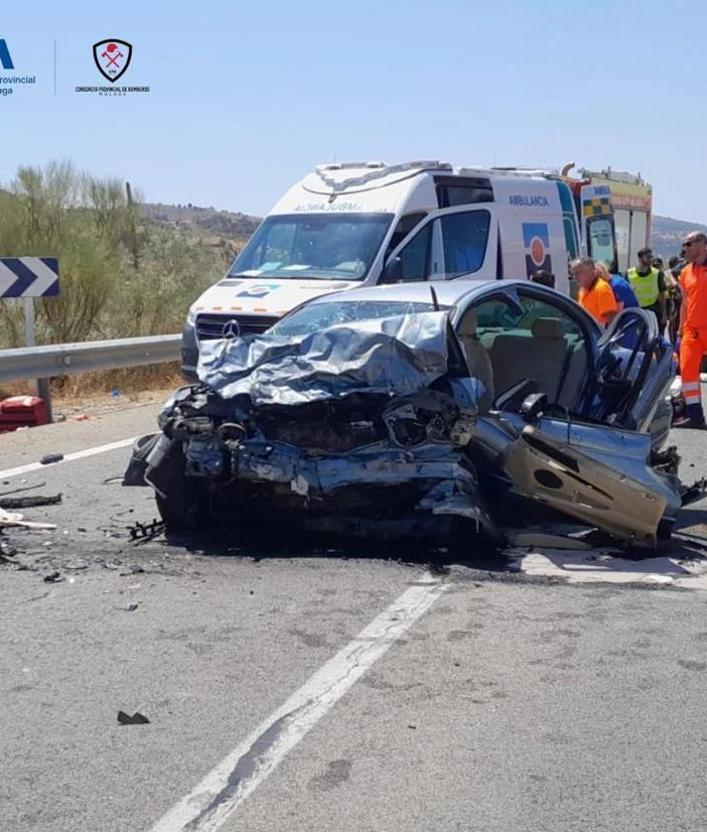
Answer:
(538, 354)
(477, 359)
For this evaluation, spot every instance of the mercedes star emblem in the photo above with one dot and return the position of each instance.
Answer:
(231, 329)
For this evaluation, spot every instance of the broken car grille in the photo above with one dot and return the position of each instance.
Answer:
(212, 326)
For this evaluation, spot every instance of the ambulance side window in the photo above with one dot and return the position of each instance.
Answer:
(464, 238)
(402, 229)
(454, 190)
(415, 256)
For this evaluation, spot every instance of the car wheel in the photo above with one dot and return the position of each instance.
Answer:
(181, 501)
(186, 514)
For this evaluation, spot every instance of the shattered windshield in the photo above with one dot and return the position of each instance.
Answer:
(317, 316)
(316, 246)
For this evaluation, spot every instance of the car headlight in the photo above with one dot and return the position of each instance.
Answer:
(191, 318)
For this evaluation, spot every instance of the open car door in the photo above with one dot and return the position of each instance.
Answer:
(575, 470)
(633, 368)
(594, 466)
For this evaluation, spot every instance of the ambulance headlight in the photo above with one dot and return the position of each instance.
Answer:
(191, 318)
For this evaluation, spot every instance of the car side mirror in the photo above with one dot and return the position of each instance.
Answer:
(393, 271)
(533, 407)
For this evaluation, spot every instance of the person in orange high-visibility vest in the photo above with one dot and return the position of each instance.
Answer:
(595, 294)
(693, 327)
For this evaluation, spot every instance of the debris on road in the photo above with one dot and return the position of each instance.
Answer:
(136, 719)
(146, 531)
(132, 607)
(7, 552)
(22, 412)
(30, 502)
(48, 459)
(53, 578)
(16, 519)
(695, 492)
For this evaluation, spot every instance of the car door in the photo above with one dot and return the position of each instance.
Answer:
(594, 474)
(453, 242)
(633, 368)
(572, 447)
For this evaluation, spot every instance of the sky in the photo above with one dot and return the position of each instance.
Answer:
(245, 98)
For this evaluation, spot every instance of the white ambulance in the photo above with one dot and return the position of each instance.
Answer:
(356, 224)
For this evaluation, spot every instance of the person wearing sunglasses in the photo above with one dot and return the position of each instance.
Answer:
(693, 328)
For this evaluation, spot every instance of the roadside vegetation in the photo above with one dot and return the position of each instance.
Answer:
(122, 273)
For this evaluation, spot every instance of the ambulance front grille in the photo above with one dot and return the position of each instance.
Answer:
(209, 327)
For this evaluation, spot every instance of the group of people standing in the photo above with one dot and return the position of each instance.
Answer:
(646, 285)
(677, 298)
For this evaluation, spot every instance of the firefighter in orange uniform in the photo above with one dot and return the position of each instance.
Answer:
(693, 327)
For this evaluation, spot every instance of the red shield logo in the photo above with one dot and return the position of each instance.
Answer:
(112, 57)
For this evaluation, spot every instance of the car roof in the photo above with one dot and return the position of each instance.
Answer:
(448, 292)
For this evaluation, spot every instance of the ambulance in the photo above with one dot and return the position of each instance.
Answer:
(358, 224)
(631, 207)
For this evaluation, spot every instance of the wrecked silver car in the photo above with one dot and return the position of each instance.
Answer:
(426, 410)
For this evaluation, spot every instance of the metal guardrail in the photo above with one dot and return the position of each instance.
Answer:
(66, 359)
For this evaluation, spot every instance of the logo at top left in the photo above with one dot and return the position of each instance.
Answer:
(5, 58)
(8, 83)
(112, 58)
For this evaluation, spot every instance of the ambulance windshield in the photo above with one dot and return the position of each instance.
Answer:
(316, 246)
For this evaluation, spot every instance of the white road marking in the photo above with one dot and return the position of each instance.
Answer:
(600, 566)
(36, 466)
(237, 776)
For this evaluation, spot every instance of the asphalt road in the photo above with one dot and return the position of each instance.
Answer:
(291, 690)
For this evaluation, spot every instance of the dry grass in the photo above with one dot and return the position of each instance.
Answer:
(128, 381)
(107, 391)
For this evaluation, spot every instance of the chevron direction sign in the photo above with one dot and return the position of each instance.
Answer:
(29, 277)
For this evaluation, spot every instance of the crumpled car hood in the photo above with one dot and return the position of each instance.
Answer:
(396, 356)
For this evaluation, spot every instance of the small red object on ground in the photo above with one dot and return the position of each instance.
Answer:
(22, 411)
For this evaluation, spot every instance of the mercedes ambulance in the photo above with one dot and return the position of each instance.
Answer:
(355, 224)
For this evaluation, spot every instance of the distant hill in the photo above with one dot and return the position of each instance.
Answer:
(235, 228)
(667, 234)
